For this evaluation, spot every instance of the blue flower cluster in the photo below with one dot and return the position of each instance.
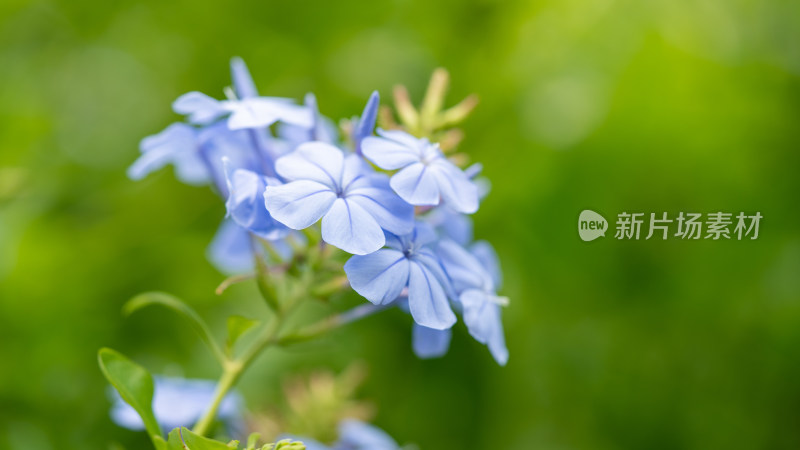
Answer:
(392, 200)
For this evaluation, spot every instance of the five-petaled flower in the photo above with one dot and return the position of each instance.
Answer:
(426, 176)
(409, 262)
(355, 203)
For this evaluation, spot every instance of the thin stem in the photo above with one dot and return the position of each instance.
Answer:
(233, 370)
(331, 323)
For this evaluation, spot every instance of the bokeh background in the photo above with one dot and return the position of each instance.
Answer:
(612, 105)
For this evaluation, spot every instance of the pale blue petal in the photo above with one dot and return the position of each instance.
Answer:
(379, 277)
(356, 435)
(417, 185)
(403, 138)
(351, 228)
(177, 144)
(431, 261)
(354, 169)
(374, 194)
(246, 205)
(200, 108)
(430, 343)
(427, 300)
(231, 251)
(299, 204)
(482, 317)
(456, 189)
(315, 161)
(367, 121)
(463, 269)
(242, 81)
(484, 252)
(389, 154)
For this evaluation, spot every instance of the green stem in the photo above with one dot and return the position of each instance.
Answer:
(232, 371)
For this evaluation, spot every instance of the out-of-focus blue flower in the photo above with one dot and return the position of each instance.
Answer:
(411, 262)
(450, 224)
(323, 129)
(253, 112)
(355, 435)
(231, 251)
(177, 145)
(355, 203)
(430, 343)
(243, 83)
(178, 402)
(245, 204)
(475, 281)
(426, 176)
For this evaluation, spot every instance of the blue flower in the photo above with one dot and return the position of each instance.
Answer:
(245, 204)
(410, 262)
(178, 402)
(476, 277)
(231, 250)
(426, 176)
(177, 145)
(354, 203)
(323, 128)
(429, 343)
(355, 435)
(242, 81)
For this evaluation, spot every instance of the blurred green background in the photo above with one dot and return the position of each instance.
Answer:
(651, 106)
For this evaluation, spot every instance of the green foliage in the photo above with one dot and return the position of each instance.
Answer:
(237, 326)
(180, 307)
(185, 439)
(134, 384)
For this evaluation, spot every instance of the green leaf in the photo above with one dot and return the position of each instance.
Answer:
(184, 439)
(237, 326)
(252, 440)
(177, 305)
(285, 444)
(134, 384)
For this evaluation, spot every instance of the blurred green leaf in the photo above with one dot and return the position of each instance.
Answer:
(179, 306)
(134, 384)
(237, 326)
(184, 439)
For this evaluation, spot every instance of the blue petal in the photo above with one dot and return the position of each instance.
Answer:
(389, 154)
(177, 144)
(463, 269)
(456, 189)
(451, 224)
(351, 228)
(262, 111)
(357, 435)
(379, 277)
(200, 108)
(374, 194)
(353, 170)
(427, 300)
(430, 343)
(367, 121)
(231, 251)
(417, 185)
(246, 205)
(315, 161)
(299, 204)
(242, 81)
(485, 254)
(482, 317)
